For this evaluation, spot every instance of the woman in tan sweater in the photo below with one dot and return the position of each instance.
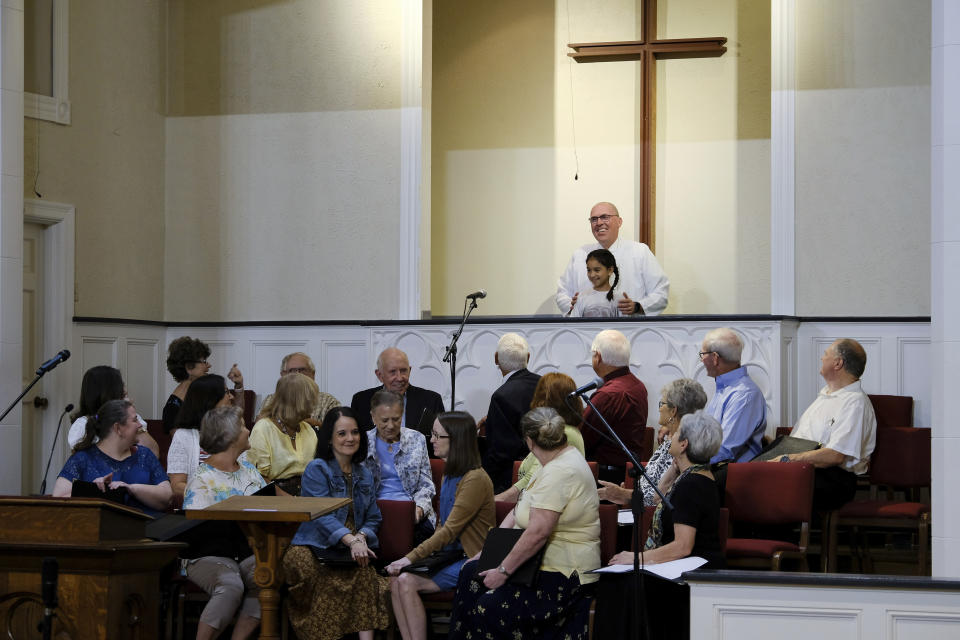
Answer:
(466, 513)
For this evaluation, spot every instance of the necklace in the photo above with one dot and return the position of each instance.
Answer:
(283, 427)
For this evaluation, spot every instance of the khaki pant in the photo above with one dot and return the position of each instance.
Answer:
(230, 586)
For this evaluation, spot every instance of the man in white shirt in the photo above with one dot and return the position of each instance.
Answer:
(843, 421)
(643, 287)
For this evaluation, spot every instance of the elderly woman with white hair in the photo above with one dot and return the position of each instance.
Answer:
(691, 528)
(677, 398)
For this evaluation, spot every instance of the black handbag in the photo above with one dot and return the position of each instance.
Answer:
(498, 545)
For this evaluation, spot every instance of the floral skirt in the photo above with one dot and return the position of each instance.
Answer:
(329, 602)
(555, 607)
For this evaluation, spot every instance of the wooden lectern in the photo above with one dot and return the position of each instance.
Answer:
(269, 523)
(108, 586)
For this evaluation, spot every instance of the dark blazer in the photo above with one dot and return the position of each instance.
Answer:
(504, 441)
(421, 407)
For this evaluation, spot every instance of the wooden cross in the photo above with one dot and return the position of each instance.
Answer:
(648, 51)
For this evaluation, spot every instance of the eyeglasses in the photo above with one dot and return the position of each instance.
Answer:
(664, 403)
(704, 353)
(302, 370)
(604, 218)
(438, 436)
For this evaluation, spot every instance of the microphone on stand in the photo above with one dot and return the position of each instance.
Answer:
(590, 386)
(43, 485)
(50, 364)
(477, 294)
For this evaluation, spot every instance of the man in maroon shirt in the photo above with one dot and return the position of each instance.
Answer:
(621, 399)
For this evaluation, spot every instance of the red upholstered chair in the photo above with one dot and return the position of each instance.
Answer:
(436, 468)
(761, 493)
(901, 460)
(893, 411)
(503, 508)
(155, 429)
(595, 468)
(396, 529)
(784, 431)
(608, 532)
(627, 478)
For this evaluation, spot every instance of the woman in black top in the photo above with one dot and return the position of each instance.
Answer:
(692, 528)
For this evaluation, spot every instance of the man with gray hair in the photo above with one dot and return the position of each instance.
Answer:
(504, 442)
(738, 404)
(622, 399)
(843, 421)
(299, 362)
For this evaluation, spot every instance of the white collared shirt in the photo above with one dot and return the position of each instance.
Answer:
(842, 420)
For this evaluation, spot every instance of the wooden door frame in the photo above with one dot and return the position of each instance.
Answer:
(57, 219)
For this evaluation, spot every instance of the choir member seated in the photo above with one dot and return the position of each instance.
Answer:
(397, 458)
(677, 399)
(187, 361)
(106, 457)
(282, 442)
(466, 513)
(325, 601)
(692, 526)
(186, 452)
(558, 511)
(100, 385)
(223, 565)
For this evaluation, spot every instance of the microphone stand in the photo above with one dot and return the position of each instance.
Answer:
(40, 373)
(451, 353)
(636, 506)
(43, 484)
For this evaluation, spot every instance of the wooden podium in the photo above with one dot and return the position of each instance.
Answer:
(108, 586)
(269, 523)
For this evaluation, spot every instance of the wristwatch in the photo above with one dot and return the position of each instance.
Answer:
(503, 570)
(784, 458)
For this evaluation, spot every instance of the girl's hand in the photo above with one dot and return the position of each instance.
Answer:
(394, 567)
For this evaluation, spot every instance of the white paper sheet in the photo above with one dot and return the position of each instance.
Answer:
(669, 570)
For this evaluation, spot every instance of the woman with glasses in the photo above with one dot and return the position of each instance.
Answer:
(466, 513)
(223, 565)
(187, 361)
(677, 399)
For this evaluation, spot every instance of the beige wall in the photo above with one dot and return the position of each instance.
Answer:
(109, 162)
(863, 157)
(507, 105)
(283, 160)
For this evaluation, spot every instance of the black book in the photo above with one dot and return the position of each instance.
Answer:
(84, 489)
(785, 445)
(435, 562)
(498, 545)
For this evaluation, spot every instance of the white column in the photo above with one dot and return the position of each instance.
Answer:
(783, 159)
(11, 236)
(945, 291)
(411, 139)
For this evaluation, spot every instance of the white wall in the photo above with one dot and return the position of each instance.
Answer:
(863, 157)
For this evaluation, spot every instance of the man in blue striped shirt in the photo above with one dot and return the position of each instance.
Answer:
(738, 403)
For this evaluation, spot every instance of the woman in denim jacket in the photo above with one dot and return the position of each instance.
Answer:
(316, 603)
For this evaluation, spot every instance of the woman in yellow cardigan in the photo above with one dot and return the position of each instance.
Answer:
(466, 513)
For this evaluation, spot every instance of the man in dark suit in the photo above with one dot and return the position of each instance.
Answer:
(420, 406)
(509, 402)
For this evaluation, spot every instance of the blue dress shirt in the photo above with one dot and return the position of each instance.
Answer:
(739, 407)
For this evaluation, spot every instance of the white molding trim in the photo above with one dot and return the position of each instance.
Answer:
(55, 108)
(783, 50)
(58, 268)
(411, 168)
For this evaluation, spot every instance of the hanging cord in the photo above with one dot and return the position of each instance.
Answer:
(573, 124)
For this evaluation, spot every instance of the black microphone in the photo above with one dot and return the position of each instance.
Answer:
(43, 484)
(49, 584)
(590, 386)
(53, 362)
(477, 294)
